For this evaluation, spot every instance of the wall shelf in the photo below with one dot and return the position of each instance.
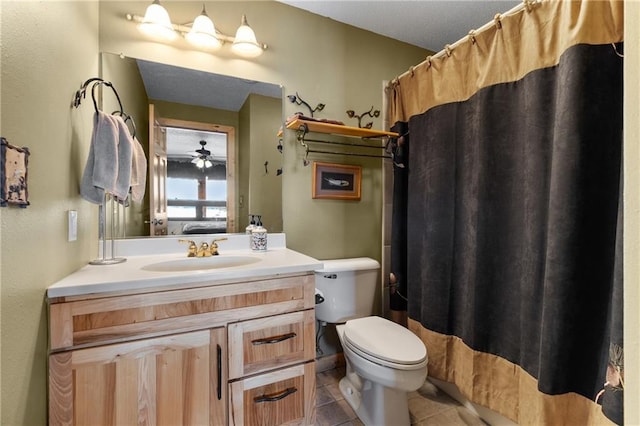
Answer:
(338, 129)
(303, 127)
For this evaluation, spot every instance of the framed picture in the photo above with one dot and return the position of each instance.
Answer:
(13, 175)
(336, 181)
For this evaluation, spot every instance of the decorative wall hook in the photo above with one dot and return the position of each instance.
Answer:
(299, 101)
(371, 113)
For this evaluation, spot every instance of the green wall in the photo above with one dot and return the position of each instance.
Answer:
(48, 50)
(263, 194)
(322, 60)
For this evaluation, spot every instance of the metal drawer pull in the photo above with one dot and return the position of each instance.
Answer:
(273, 339)
(275, 396)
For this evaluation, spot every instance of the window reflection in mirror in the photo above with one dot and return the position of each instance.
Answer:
(196, 181)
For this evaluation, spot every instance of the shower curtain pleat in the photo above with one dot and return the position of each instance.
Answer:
(398, 262)
(513, 228)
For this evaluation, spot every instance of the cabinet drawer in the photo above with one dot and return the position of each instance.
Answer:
(280, 397)
(120, 318)
(267, 343)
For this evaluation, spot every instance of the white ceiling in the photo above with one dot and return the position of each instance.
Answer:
(187, 86)
(430, 24)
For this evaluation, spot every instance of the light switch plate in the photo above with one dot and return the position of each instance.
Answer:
(73, 225)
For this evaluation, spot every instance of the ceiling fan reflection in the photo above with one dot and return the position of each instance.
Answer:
(202, 157)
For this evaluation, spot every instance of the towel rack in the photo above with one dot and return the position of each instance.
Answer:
(97, 81)
(303, 127)
(102, 208)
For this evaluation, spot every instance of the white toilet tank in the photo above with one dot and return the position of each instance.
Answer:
(348, 287)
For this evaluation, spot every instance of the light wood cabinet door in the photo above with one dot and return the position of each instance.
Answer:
(172, 380)
(281, 397)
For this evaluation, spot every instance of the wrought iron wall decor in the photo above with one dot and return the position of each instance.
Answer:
(371, 113)
(296, 99)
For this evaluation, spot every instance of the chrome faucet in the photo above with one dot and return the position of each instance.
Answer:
(213, 248)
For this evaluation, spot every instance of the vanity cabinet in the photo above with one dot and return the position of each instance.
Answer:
(170, 380)
(238, 353)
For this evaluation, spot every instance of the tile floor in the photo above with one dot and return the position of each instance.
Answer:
(427, 406)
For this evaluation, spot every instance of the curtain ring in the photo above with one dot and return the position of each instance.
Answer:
(411, 70)
(527, 5)
(447, 49)
(428, 61)
(472, 36)
(497, 20)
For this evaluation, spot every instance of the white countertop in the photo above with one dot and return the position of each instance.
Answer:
(131, 275)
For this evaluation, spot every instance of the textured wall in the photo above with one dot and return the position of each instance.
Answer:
(631, 214)
(324, 61)
(43, 64)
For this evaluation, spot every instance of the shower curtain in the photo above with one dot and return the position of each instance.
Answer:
(513, 226)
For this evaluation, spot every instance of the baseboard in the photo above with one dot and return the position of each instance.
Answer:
(329, 362)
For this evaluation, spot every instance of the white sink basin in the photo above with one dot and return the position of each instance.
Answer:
(200, 263)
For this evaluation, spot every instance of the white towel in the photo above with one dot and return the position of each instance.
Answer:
(138, 171)
(101, 170)
(125, 156)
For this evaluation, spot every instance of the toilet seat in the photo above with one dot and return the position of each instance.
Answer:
(385, 342)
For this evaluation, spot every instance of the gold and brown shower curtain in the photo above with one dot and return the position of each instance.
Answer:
(513, 212)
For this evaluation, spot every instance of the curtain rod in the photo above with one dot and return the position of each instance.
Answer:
(528, 4)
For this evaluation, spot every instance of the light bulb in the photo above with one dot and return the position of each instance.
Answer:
(245, 43)
(203, 32)
(156, 22)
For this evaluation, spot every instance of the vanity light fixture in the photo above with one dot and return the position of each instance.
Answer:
(201, 32)
(156, 22)
(245, 43)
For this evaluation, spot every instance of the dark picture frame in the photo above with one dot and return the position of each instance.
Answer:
(336, 181)
(13, 175)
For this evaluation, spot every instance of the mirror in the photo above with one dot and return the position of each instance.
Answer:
(227, 125)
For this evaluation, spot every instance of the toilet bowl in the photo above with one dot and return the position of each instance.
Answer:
(384, 360)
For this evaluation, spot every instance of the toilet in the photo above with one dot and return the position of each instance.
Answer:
(384, 360)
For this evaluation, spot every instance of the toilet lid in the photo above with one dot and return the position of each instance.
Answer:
(385, 340)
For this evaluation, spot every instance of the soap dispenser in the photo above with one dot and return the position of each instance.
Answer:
(259, 236)
(252, 224)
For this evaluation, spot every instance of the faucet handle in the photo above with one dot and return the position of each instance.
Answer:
(213, 248)
(193, 248)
